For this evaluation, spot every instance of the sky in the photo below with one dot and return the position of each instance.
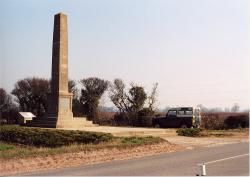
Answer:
(196, 50)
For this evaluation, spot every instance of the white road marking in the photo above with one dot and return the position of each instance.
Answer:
(224, 159)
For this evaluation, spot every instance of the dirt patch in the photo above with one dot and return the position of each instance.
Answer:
(25, 165)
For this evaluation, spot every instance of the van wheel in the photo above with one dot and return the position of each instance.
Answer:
(183, 126)
(157, 126)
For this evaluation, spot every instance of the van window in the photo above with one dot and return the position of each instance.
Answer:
(189, 112)
(181, 113)
(172, 113)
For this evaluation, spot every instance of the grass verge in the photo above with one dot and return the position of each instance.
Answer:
(10, 151)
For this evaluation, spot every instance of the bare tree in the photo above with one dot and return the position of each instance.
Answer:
(152, 98)
(118, 95)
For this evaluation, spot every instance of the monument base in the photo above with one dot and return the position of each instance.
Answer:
(62, 123)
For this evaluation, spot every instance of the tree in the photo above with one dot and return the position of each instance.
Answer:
(202, 108)
(8, 110)
(93, 89)
(136, 98)
(72, 88)
(32, 95)
(118, 95)
(76, 104)
(129, 103)
(152, 98)
(235, 107)
(5, 101)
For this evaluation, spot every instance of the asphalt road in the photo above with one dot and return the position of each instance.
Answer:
(177, 163)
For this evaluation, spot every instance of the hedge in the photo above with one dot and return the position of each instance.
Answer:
(50, 137)
(240, 121)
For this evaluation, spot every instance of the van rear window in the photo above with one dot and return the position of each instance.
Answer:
(181, 112)
(188, 112)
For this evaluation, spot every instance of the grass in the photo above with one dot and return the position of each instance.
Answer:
(20, 151)
(140, 140)
(5, 147)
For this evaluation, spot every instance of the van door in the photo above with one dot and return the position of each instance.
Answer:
(171, 119)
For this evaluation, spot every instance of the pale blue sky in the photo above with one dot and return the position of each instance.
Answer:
(197, 50)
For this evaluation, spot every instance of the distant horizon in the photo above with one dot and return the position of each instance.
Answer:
(196, 51)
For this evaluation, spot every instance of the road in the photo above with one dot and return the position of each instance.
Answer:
(176, 163)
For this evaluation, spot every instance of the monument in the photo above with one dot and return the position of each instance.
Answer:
(59, 114)
(60, 100)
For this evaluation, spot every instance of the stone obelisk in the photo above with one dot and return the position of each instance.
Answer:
(60, 101)
(59, 114)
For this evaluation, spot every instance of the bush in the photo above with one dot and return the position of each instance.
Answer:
(49, 137)
(240, 121)
(189, 132)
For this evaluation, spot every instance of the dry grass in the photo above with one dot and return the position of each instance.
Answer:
(244, 132)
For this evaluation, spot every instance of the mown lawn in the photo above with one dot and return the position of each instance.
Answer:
(9, 151)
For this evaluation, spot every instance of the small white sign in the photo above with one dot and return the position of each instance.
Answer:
(27, 114)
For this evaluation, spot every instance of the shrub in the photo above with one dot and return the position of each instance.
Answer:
(240, 121)
(49, 137)
(189, 132)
